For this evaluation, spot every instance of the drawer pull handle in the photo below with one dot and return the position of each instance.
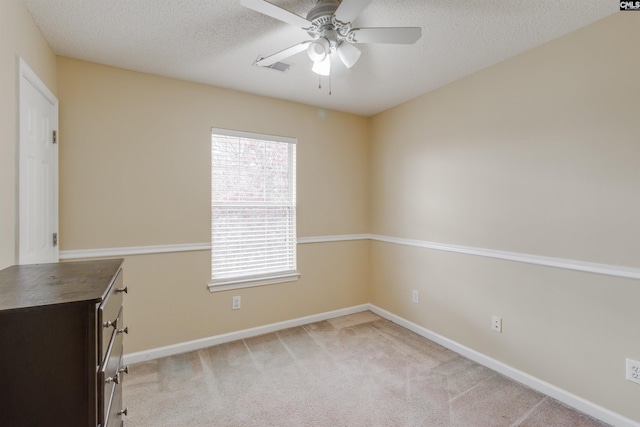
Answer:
(124, 412)
(125, 369)
(114, 379)
(125, 330)
(110, 323)
(125, 289)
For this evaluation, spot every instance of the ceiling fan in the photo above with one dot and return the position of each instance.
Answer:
(329, 25)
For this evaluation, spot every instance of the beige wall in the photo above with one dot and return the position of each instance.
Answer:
(135, 171)
(19, 37)
(539, 155)
(169, 302)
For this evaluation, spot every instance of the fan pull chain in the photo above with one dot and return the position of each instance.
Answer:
(329, 77)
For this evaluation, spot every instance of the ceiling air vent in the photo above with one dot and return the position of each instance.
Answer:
(278, 66)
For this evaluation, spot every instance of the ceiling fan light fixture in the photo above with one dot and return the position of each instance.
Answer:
(322, 67)
(319, 49)
(348, 54)
(329, 24)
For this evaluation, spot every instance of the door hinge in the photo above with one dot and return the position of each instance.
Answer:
(55, 137)
(55, 239)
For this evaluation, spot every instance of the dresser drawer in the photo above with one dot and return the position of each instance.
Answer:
(108, 311)
(115, 410)
(111, 373)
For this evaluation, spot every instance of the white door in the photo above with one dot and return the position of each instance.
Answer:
(37, 171)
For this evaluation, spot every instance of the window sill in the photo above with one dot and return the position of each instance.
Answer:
(250, 283)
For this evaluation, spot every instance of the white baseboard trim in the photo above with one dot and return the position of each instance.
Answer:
(537, 384)
(188, 346)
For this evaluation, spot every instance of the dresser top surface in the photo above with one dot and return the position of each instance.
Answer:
(23, 286)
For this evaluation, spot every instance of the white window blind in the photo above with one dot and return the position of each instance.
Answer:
(253, 209)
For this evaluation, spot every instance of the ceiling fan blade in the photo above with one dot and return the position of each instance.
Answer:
(349, 54)
(350, 9)
(276, 12)
(394, 35)
(283, 54)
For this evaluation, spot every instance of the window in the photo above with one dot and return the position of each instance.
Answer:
(253, 209)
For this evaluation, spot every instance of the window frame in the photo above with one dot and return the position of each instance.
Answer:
(258, 279)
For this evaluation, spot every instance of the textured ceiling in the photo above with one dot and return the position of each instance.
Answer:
(215, 42)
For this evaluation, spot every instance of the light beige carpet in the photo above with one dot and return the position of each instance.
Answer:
(357, 370)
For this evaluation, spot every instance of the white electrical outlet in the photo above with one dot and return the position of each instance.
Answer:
(496, 323)
(235, 303)
(633, 371)
(415, 297)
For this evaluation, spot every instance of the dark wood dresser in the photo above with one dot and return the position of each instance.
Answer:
(61, 333)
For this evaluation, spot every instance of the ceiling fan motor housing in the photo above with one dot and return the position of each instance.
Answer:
(324, 22)
(323, 10)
